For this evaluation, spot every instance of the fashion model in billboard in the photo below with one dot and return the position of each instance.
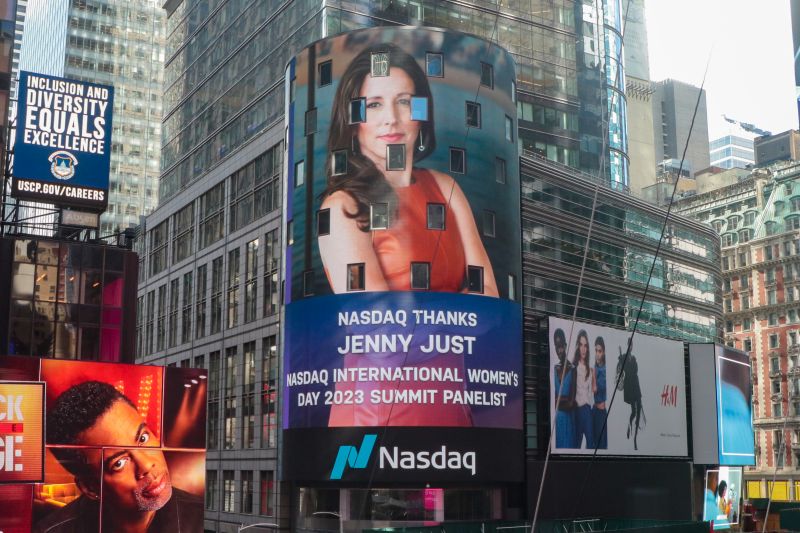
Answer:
(581, 391)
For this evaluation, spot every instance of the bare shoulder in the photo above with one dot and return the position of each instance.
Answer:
(444, 181)
(340, 199)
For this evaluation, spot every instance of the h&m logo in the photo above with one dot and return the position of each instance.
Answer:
(353, 457)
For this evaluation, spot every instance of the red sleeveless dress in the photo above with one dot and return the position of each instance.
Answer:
(408, 240)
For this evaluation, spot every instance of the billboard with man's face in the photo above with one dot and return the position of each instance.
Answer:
(403, 339)
(124, 446)
(62, 149)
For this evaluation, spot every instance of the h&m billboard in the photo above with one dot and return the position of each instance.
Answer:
(403, 343)
(648, 417)
(62, 149)
(122, 445)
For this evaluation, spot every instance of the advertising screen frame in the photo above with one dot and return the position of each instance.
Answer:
(62, 149)
(98, 412)
(446, 69)
(661, 410)
(732, 494)
(6, 432)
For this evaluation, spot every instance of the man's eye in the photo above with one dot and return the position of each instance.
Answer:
(144, 438)
(119, 464)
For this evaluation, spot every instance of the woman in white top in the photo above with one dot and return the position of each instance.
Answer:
(584, 396)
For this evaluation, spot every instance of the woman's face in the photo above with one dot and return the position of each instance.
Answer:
(583, 348)
(388, 116)
(599, 354)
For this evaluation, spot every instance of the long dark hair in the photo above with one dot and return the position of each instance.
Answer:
(577, 358)
(363, 180)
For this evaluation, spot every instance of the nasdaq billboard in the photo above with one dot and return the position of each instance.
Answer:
(403, 343)
(62, 147)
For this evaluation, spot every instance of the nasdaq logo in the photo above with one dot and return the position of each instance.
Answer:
(353, 457)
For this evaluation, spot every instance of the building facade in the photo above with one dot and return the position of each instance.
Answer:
(757, 219)
(732, 151)
(673, 108)
(115, 43)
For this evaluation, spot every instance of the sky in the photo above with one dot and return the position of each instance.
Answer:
(751, 67)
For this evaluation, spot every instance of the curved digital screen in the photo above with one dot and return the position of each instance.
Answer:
(403, 331)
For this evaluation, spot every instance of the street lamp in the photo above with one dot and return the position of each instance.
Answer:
(260, 524)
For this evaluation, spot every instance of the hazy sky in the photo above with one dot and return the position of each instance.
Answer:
(750, 75)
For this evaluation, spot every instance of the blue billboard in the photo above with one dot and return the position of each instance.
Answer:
(403, 339)
(62, 146)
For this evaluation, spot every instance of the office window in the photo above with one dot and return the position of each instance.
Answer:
(744, 281)
(250, 280)
(509, 129)
(158, 248)
(475, 279)
(308, 283)
(500, 170)
(172, 324)
(355, 277)
(420, 276)
(458, 160)
(512, 287)
(379, 216)
(325, 73)
(358, 111)
(487, 75)
(745, 302)
(246, 490)
(323, 222)
(272, 255)
(488, 223)
(748, 345)
(339, 162)
(773, 340)
(212, 215)
(772, 319)
(269, 388)
(379, 64)
(200, 303)
(768, 253)
(216, 295)
(311, 121)
(772, 297)
(183, 224)
(248, 396)
(214, 384)
(473, 114)
(776, 409)
(434, 65)
(299, 173)
(747, 324)
(728, 305)
(186, 308)
(211, 489)
(395, 157)
(228, 491)
(233, 289)
(230, 414)
(162, 317)
(436, 216)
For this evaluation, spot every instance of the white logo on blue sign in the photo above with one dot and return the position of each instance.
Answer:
(62, 164)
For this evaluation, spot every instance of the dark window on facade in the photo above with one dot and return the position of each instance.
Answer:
(488, 223)
(475, 279)
(233, 288)
(324, 222)
(200, 303)
(251, 280)
(308, 283)
(272, 255)
(473, 115)
(379, 216)
(500, 170)
(212, 215)
(396, 157)
(311, 121)
(487, 75)
(458, 160)
(512, 287)
(434, 65)
(436, 218)
(509, 129)
(355, 277)
(183, 226)
(339, 163)
(158, 248)
(358, 110)
(325, 73)
(420, 276)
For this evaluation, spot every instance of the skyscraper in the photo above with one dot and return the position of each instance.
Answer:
(673, 107)
(116, 43)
